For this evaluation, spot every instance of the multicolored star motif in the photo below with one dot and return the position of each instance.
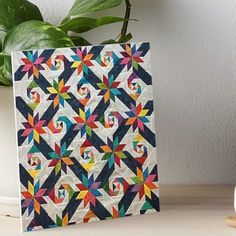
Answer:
(131, 57)
(82, 60)
(144, 183)
(113, 152)
(33, 128)
(32, 64)
(59, 93)
(137, 117)
(109, 88)
(85, 122)
(61, 158)
(88, 190)
(33, 197)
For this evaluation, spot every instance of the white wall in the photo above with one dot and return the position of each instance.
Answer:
(194, 76)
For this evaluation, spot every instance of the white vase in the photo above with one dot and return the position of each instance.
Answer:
(9, 190)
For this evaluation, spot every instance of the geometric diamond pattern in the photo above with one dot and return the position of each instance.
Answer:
(86, 135)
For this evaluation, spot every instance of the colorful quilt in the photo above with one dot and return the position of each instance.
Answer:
(86, 135)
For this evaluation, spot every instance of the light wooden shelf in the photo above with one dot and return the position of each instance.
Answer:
(185, 210)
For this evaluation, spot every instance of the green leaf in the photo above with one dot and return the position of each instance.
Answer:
(81, 7)
(35, 35)
(2, 35)
(79, 41)
(1, 59)
(84, 24)
(31, 35)
(126, 38)
(3, 80)
(4, 71)
(14, 12)
(109, 41)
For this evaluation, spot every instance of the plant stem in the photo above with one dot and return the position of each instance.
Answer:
(125, 24)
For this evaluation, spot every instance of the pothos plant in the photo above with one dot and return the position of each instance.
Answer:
(22, 27)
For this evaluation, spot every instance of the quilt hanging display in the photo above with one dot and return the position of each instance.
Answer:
(86, 135)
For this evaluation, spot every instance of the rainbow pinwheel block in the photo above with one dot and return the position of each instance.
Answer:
(86, 134)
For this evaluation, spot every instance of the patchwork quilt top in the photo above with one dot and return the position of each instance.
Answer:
(86, 135)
